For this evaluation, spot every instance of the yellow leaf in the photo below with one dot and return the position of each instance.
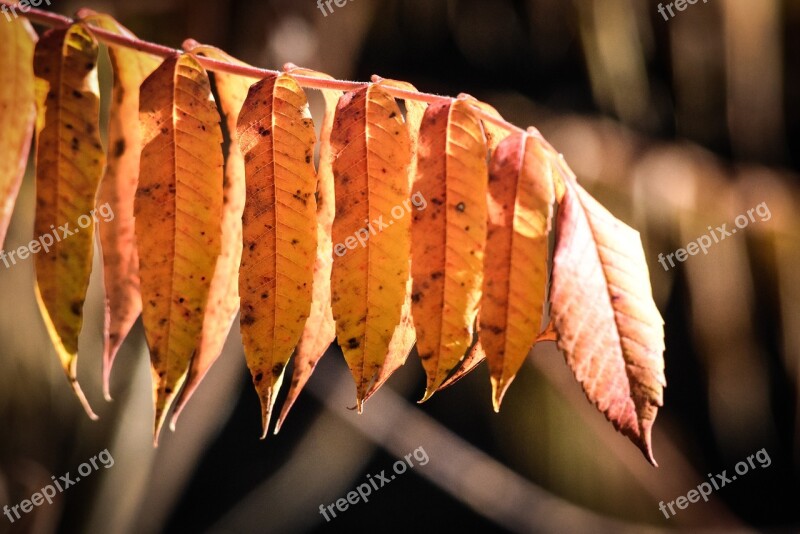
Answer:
(277, 138)
(448, 237)
(320, 330)
(371, 230)
(178, 212)
(223, 298)
(608, 325)
(17, 113)
(69, 164)
(405, 334)
(520, 210)
(123, 302)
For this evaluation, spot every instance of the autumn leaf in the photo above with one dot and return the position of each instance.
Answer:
(608, 325)
(123, 302)
(17, 112)
(520, 208)
(448, 237)
(320, 330)
(405, 334)
(223, 297)
(277, 138)
(69, 164)
(370, 267)
(178, 210)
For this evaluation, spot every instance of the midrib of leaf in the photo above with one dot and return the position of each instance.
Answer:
(607, 283)
(371, 216)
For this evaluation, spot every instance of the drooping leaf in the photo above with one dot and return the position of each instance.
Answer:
(17, 112)
(405, 334)
(123, 302)
(320, 330)
(178, 212)
(69, 164)
(520, 208)
(223, 297)
(608, 325)
(276, 136)
(448, 237)
(371, 241)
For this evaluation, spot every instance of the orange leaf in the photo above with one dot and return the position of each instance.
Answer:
(520, 209)
(123, 302)
(223, 296)
(178, 211)
(405, 334)
(448, 237)
(320, 330)
(277, 138)
(608, 325)
(69, 164)
(371, 230)
(17, 112)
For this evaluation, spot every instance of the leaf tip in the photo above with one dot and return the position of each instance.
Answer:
(76, 387)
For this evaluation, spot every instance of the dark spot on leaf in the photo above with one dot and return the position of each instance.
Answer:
(119, 148)
(277, 369)
(353, 343)
(460, 207)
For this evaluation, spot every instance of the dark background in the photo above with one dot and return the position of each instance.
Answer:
(673, 125)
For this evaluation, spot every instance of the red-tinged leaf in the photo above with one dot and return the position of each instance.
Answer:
(123, 303)
(17, 112)
(608, 325)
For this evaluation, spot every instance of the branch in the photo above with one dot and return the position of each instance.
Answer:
(112, 39)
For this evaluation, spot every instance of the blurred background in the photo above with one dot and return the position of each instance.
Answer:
(674, 125)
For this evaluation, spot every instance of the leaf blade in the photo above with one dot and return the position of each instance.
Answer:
(369, 283)
(320, 330)
(223, 297)
(521, 196)
(69, 164)
(448, 237)
(605, 316)
(280, 230)
(123, 302)
(17, 113)
(180, 193)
